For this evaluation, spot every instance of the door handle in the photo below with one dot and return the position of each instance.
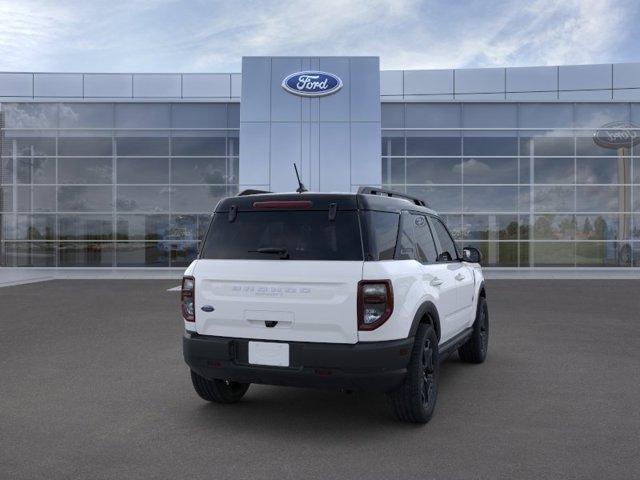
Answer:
(459, 277)
(436, 282)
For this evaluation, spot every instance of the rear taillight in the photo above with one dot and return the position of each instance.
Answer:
(375, 303)
(188, 299)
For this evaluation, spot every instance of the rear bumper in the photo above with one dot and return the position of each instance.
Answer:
(372, 366)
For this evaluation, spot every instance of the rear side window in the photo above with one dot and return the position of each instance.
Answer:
(284, 234)
(382, 229)
(447, 250)
(416, 242)
(425, 247)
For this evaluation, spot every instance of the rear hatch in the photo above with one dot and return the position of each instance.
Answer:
(283, 270)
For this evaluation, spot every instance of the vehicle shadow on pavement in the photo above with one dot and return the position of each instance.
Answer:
(290, 410)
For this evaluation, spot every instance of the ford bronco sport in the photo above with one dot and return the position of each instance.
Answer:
(364, 291)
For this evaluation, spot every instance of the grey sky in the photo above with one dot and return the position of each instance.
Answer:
(212, 36)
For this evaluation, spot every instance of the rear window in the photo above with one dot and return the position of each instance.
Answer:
(277, 235)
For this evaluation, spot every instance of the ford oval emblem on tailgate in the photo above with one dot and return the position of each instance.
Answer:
(207, 308)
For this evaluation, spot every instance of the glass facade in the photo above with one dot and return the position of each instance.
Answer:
(132, 184)
(113, 184)
(525, 183)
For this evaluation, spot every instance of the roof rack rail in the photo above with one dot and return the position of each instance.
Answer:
(251, 191)
(391, 193)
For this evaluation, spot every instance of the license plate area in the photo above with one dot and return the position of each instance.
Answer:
(269, 353)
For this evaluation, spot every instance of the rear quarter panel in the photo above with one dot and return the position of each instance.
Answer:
(410, 291)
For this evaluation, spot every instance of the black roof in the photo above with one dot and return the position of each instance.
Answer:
(321, 201)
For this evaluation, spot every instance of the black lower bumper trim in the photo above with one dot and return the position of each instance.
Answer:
(371, 366)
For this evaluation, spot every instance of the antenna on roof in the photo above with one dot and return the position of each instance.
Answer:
(301, 188)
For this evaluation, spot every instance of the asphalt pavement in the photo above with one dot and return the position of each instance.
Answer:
(93, 385)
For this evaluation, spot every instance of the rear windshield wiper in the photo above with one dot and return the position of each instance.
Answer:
(283, 252)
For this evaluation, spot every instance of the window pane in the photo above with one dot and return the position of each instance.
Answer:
(6, 170)
(545, 115)
(199, 115)
(553, 199)
(491, 199)
(85, 199)
(392, 115)
(141, 227)
(454, 224)
(554, 227)
(85, 170)
(587, 147)
(490, 227)
(602, 198)
(233, 143)
(434, 115)
(604, 170)
(143, 170)
(603, 227)
(199, 146)
(490, 145)
(490, 115)
(36, 170)
(88, 115)
(433, 146)
(233, 115)
(196, 199)
(142, 115)
(35, 254)
(142, 146)
(447, 245)
(132, 254)
(383, 227)
(182, 253)
(203, 225)
(85, 146)
(199, 170)
(554, 170)
(393, 171)
(552, 254)
(441, 199)
(598, 114)
(85, 227)
(305, 235)
(35, 227)
(182, 227)
(434, 170)
(6, 199)
(392, 144)
(31, 146)
(546, 146)
(30, 115)
(603, 254)
(143, 199)
(490, 170)
(36, 199)
(425, 245)
(497, 254)
(81, 254)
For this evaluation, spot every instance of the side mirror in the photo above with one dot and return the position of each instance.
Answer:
(471, 255)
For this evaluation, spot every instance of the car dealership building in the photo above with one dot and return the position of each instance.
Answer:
(535, 166)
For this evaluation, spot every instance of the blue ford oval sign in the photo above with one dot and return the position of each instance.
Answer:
(312, 84)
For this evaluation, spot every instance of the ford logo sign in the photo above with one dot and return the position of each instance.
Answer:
(312, 84)
(617, 135)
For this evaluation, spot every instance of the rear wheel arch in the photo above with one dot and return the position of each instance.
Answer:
(427, 313)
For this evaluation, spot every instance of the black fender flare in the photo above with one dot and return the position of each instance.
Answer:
(482, 292)
(427, 308)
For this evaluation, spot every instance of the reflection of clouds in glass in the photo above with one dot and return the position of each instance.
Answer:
(472, 166)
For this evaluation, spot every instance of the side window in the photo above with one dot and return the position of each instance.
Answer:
(425, 247)
(383, 227)
(406, 242)
(447, 247)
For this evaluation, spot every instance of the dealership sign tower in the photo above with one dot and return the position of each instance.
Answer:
(320, 112)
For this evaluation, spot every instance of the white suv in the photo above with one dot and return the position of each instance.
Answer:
(363, 291)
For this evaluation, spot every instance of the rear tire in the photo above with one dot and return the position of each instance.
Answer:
(414, 401)
(218, 391)
(475, 349)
